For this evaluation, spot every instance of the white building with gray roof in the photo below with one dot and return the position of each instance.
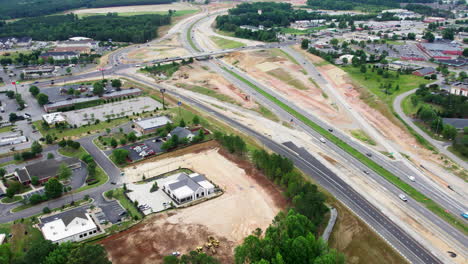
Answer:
(183, 187)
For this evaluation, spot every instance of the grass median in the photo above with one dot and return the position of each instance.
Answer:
(412, 192)
(189, 36)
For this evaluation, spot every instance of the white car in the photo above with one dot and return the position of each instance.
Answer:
(403, 197)
(412, 178)
(322, 140)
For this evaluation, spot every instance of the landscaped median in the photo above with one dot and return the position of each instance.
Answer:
(431, 205)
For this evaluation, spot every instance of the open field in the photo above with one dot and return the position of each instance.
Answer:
(185, 229)
(133, 9)
(226, 43)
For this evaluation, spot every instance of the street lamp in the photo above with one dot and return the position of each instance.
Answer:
(102, 71)
(162, 90)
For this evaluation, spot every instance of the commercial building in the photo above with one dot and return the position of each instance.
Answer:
(10, 42)
(459, 88)
(54, 106)
(460, 62)
(36, 72)
(424, 71)
(73, 225)
(306, 24)
(441, 50)
(79, 50)
(183, 187)
(181, 133)
(79, 43)
(44, 170)
(54, 118)
(150, 125)
(59, 55)
(121, 93)
(12, 140)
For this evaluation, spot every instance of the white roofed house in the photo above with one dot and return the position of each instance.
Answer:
(73, 225)
(183, 187)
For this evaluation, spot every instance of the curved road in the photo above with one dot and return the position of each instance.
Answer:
(440, 146)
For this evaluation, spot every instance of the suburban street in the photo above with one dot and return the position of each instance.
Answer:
(440, 146)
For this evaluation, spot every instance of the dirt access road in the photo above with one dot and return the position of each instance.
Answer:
(249, 201)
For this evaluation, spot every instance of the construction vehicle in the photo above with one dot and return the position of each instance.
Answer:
(199, 249)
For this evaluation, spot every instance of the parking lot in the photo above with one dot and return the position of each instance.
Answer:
(40, 192)
(395, 51)
(143, 149)
(149, 202)
(111, 110)
(112, 212)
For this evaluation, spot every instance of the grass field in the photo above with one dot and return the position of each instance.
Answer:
(362, 136)
(372, 81)
(412, 192)
(208, 92)
(176, 14)
(301, 32)
(6, 129)
(15, 198)
(284, 76)
(284, 54)
(225, 43)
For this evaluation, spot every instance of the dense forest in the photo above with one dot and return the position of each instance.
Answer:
(273, 15)
(355, 4)
(15, 9)
(137, 29)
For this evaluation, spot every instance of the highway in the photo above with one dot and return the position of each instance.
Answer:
(397, 168)
(440, 146)
(410, 248)
(404, 243)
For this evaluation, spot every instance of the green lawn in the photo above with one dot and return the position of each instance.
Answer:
(101, 175)
(189, 36)
(431, 205)
(372, 81)
(15, 198)
(362, 136)
(301, 32)
(208, 92)
(225, 33)
(118, 194)
(176, 14)
(284, 54)
(6, 129)
(83, 130)
(394, 42)
(224, 43)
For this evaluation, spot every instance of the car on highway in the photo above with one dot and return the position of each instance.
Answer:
(322, 140)
(369, 154)
(465, 215)
(403, 197)
(330, 129)
(366, 172)
(412, 178)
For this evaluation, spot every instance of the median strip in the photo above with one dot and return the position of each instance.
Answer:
(412, 192)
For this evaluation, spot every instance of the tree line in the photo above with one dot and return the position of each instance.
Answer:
(33, 8)
(353, 4)
(137, 29)
(43, 251)
(287, 240)
(272, 17)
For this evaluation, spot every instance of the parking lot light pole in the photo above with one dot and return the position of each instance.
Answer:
(162, 90)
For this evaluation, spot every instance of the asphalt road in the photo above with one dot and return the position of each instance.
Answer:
(440, 146)
(397, 168)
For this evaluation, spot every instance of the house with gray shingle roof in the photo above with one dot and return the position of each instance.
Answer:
(183, 187)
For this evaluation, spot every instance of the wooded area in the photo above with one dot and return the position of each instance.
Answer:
(15, 9)
(287, 240)
(354, 4)
(273, 16)
(136, 29)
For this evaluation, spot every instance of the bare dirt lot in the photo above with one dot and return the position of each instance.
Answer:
(153, 51)
(249, 201)
(133, 9)
(275, 70)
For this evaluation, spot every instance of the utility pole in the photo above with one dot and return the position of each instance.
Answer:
(179, 104)
(162, 90)
(102, 71)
